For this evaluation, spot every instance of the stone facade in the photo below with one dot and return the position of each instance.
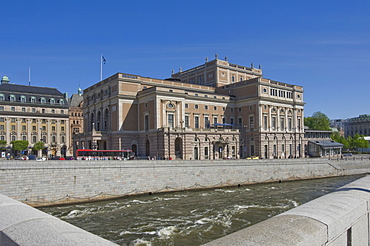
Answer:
(75, 118)
(217, 110)
(357, 125)
(34, 114)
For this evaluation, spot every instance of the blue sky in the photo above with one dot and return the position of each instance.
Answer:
(323, 46)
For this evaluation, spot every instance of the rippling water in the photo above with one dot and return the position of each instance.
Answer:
(191, 217)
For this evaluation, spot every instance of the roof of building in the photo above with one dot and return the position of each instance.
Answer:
(76, 100)
(326, 143)
(30, 89)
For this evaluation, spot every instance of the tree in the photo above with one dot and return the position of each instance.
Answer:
(38, 146)
(318, 121)
(2, 144)
(19, 145)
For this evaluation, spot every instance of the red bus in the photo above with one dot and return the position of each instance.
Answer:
(90, 154)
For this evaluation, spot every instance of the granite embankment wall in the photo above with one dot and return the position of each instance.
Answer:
(338, 218)
(60, 182)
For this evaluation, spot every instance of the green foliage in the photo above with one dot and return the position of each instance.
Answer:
(2, 143)
(355, 142)
(318, 121)
(20, 145)
(38, 146)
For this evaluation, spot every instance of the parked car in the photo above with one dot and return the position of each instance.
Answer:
(347, 154)
(40, 159)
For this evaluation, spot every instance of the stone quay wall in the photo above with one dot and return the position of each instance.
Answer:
(338, 218)
(61, 182)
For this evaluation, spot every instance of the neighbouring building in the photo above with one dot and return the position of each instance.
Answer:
(339, 125)
(75, 117)
(359, 125)
(34, 114)
(213, 111)
(319, 144)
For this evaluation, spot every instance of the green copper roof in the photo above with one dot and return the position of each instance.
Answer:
(5, 79)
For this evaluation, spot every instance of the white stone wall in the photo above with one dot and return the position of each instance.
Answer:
(57, 182)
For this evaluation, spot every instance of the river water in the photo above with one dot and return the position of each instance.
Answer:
(191, 217)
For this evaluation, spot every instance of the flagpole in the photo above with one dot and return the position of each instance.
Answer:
(29, 76)
(101, 67)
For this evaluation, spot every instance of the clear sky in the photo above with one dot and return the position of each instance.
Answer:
(323, 45)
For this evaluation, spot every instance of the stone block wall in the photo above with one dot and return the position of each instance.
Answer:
(58, 182)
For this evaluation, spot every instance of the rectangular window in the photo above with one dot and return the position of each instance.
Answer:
(232, 121)
(299, 124)
(206, 152)
(33, 128)
(23, 109)
(251, 122)
(273, 123)
(196, 106)
(240, 121)
(289, 124)
(146, 122)
(186, 121)
(1, 127)
(12, 109)
(186, 105)
(282, 124)
(170, 120)
(23, 128)
(205, 107)
(196, 121)
(62, 129)
(2, 119)
(13, 127)
(265, 122)
(206, 122)
(215, 120)
(1, 108)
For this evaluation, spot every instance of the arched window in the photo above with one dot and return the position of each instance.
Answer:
(42, 100)
(12, 98)
(52, 101)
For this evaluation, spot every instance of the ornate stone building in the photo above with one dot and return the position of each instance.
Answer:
(359, 125)
(213, 111)
(34, 114)
(75, 117)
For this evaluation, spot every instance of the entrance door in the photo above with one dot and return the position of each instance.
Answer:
(134, 149)
(178, 148)
(147, 148)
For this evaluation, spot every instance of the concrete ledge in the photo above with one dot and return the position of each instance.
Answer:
(21, 225)
(339, 218)
(279, 230)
